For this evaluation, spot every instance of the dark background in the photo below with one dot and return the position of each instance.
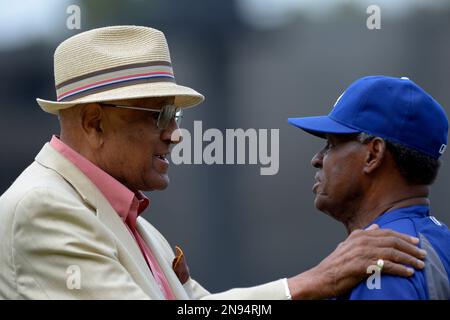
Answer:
(257, 63)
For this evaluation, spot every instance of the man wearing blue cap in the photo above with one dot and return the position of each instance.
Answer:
(384, 139)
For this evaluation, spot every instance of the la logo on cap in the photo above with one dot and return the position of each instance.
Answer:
(339, 98)
(442, 149)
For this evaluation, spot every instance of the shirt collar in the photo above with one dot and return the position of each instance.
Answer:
(125, 202)
(417, 211)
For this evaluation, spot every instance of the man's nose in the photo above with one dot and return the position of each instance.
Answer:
(172, 134)
(316, 161)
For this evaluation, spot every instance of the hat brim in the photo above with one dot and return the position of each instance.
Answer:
(321, 126)
(185, 97)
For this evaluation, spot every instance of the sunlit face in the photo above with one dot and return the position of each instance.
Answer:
(338, 181)
(135, 150)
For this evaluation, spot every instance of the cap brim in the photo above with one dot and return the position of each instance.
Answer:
(320, 126)
(185, 97)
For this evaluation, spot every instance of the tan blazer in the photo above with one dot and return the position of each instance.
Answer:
(61, 239)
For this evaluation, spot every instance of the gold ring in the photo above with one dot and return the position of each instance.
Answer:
(380, 264)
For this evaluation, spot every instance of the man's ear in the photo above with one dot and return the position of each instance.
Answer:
(376, 151)
(92, 118)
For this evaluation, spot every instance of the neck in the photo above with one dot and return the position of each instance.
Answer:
(73, 142)
(374, 206)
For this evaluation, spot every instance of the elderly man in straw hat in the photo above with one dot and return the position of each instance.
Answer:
(70, 225)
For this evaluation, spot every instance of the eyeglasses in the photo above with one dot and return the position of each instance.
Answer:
(165, 114)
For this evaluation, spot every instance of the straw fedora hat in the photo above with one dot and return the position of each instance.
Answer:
(115, 63)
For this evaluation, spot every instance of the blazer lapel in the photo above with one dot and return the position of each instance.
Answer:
(145, 230)
(136, 265)
(111, 219)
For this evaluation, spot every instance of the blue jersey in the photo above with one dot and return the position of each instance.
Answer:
(430, 283)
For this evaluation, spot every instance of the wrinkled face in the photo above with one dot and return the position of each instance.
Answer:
(338, 183)
(135, 150)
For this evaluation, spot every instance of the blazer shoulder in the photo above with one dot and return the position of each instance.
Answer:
(40, 192)
(39, 183)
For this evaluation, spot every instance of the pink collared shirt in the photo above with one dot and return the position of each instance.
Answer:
(127, 204)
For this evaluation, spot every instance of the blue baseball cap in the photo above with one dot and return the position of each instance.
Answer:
(395, 109)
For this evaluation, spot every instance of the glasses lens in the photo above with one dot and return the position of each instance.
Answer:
(178, 116)
(167, 114)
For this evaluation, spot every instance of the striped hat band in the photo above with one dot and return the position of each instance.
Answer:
(115, 63)
(126, 75)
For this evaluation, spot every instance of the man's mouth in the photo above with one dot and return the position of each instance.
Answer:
(316, 184)
(162, 157)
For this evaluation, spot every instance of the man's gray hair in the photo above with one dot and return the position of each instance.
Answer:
(364, 137)
(415, 166)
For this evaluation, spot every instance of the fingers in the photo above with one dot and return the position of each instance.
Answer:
(386, 238)
(401, 245)
(402, 258)
(397, 269)
(399, 251)
(348, 264)
(373, 227)
(391, 233)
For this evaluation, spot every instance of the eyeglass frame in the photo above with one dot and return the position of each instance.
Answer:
(177, 113)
